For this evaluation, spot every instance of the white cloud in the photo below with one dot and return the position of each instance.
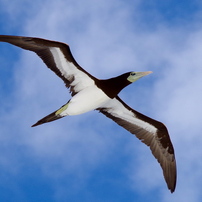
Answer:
(105, 40)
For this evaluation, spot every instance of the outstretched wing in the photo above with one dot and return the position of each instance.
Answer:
(151, 132)
(57, 56)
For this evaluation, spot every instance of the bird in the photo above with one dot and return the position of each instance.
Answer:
(90, 93)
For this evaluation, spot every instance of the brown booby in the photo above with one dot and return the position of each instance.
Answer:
(89, 93)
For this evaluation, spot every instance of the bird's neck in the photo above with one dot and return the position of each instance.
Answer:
(113, 86)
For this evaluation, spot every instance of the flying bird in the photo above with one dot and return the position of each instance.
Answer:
(89, 93)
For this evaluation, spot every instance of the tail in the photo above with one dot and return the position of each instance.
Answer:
(52, 117)
(49, 118)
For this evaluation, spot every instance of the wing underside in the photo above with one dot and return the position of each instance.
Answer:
(57, 56)
(151, 132)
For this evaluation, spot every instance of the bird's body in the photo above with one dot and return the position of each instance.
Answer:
(89, 93)
(86, 100)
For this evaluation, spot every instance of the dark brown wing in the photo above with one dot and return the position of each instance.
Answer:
(151, 132)
(57, 56)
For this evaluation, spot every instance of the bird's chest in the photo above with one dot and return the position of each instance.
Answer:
(86, 100)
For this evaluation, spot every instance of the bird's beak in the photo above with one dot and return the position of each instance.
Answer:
(134, 76)
(141, 74)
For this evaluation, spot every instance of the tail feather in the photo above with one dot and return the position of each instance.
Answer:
(51, 117)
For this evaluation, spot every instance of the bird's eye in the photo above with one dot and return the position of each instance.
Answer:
(132, 73)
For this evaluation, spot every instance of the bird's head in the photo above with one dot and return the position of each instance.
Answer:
(134, 76)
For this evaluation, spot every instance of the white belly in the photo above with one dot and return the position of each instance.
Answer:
(86, 100)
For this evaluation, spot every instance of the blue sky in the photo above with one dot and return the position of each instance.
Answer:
(88, 157)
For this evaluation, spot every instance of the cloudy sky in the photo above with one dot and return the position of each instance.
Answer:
(88, 157)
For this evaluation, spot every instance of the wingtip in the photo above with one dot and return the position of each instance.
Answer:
(172, 189)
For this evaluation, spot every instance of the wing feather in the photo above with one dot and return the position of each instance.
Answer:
(58, 57)
(151, 132)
